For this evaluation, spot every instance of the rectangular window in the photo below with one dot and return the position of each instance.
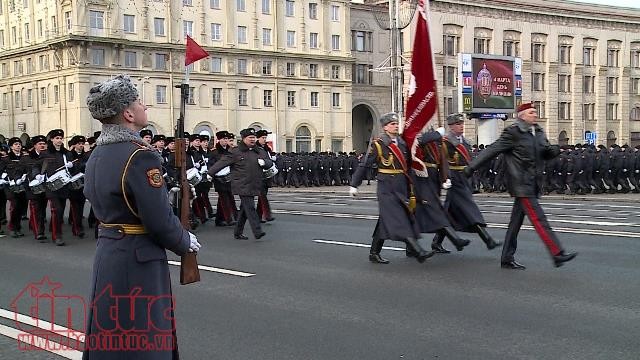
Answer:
(335, 99)
(68, 22)
(335, 42)
(161, 94)
(564, 111)
(266, 36)
(361, 41)
(291, 38)
(291, 69)
(187, 27)
(539, 106)
(43, 95)
(588, 111)
(241, 5)
(29, 97)
(96, 20)
(635, 59)
(266, 67)
(267, 98)
(335, 72)
(216, 65)
(612, 111)
(635, 86)
(612, 85)
(335, 13)
(511, 48)
(360, 74)
(130, 59)
(564, 83)
(129, 23)
(242, 97)
(289, 8)
(481, 45)
(242, 34)
(266, 6)
(1, 37)
(158, 26)
(313, 70)
(214, 4)
(313, 11)
(313, 40)
(537, 81)
(56, 94)
(54, 25)
(588, 84)
(16, 99)
(187, 2)
(451, 45)
(40, 29)
(97, 56)
(291, 98)
(71, 91)
(537, 52)
(336, 145)
(564, 54)
(313, 101)
(191, 99)
(589, 56)
(17, 68)
(612, 57)
(216, 99)
(242, 66)
(27, 33)
(14, 35)
(5, 101)
(161, 62)
(29, 66)
(448, 105)
(216, 32)
(450, 75)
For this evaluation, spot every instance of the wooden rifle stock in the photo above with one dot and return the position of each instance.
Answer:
(189, 272)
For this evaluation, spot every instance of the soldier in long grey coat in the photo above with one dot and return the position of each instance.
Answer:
(396, 220)
(130, 287)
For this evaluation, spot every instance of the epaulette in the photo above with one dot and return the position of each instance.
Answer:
(140, 146)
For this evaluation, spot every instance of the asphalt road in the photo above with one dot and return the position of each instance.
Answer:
(307, 290)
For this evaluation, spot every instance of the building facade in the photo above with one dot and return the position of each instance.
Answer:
(280, 65)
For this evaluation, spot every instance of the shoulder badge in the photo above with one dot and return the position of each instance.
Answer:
(155, 178)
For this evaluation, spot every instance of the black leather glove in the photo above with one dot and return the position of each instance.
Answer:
(467, 171)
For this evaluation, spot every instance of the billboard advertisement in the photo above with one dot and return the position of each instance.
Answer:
(490, 84)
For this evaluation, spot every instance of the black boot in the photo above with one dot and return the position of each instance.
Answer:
(422, 255)
(560, 259)
(374, 253)
(484, 235)
(436, 244)
(455, 239)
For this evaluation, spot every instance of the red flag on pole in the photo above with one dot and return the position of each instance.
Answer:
(422, 103)
(194, 52)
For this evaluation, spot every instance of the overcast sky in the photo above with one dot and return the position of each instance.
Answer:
(625, 3)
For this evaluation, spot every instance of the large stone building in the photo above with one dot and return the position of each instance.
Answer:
(283, 65)
(302, 68)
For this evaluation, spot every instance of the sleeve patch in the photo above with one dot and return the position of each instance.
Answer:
(154, 176)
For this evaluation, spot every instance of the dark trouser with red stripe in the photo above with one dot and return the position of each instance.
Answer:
(57, 205)
(37, 214)
(76, 211)
(226, 208)
(198, 207)
(263, 207)
(531, 207)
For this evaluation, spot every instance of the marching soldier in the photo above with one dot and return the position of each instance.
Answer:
(76, 196)
(463, 212)
(263, 207)
(395, 220)
(226, 211)
(16, 192)
(146, 135)
(125, 185)
(37, 201)
(206, 179)
(56, 162)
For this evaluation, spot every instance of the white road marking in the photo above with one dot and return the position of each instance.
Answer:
(41, 343)
(42, 324)
(344, 243)
(217, 270)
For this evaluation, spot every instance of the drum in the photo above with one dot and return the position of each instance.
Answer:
(37, 186)
(224, 175)
(17, 188)
(193, 176)
(270, 172)
(77, 181)
(58, 180)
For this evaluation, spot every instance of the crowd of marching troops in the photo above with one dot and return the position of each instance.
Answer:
(579, 169)
(46, 173)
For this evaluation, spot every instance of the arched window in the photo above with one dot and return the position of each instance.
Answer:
(152, 128)
(611, 138)
(562, 138)
(635, 113)
(203, 128)
(303, 139)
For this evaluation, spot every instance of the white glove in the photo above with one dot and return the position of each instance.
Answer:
(68, 165)
(4, 175)
(174, 189)
(209, 178)
(193, 191)
(440, 130)
(24, 177)
(353, 191)
(196, 165)
(40, 177)
(194, 246)
(261, 162)
(446, 184)
(19, 181)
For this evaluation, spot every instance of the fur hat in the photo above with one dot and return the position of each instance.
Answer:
(261, 133)
(38, 138)
(55, 132)
(247, 132)
(111, 97)
(145, 132)
(78, 139)
(222, 135)
(455, 118)
(14, 140)
(388, 117)
(157, 138)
